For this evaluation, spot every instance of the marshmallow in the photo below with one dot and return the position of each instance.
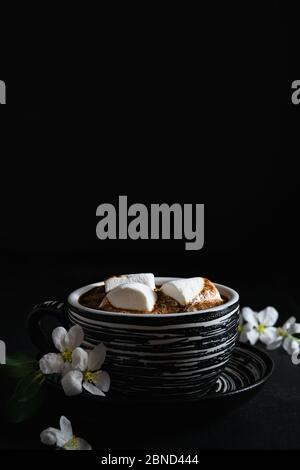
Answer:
(209, 292)
(183, 291)
(133, 296)
(143, 278)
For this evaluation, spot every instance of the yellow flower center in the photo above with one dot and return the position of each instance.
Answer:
(88, 376)
(281, 332)
(66, 355)
(260, 328)
(72, 443)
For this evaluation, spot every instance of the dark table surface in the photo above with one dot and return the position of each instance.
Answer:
(267, 419)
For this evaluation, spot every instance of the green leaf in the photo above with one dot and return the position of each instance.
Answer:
(17, 359)
(26, 400)
(18, 366)
(27, 388)
(27, 397)
(19, 411)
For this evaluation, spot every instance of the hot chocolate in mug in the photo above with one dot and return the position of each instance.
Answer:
(170, 356)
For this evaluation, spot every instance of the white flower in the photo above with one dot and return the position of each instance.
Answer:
(87, 373)
(63, 438)
(243, 329)
(284, 336)
(291, 345)
(65, 342)
(261, 324)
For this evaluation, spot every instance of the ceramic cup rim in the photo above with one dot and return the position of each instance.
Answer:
(231, 294)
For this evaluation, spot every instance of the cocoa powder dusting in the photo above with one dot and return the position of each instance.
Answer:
(164, 305)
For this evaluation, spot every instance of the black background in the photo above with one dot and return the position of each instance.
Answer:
(163, 104)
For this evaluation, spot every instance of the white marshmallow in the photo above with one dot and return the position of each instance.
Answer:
(142, 278)
(133, 296)
(183, 291)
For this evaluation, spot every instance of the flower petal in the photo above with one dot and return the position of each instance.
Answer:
(275, 344)
(296, 358)
(287, 325)
(102, 380)
(51, 363)
(290, 345)
(96, 357)
(66, 428)
(250, 316)
(252, 336)
(294, 346)
(73, 338)
(72, 383)
(286, 344)
(268, 316)
(243, 336)
(48, 436)
(269, 335)
(58, 337)
(92, 389)
(294, 328)
(80, 359)
(61, 440)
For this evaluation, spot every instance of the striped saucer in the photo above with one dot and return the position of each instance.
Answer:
(247, 369)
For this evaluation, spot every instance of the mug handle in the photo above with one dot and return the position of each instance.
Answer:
(40, 311)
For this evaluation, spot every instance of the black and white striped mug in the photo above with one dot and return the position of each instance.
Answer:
(170, 356)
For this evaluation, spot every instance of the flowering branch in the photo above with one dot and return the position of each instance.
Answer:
(79, 369)
(260, 326)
